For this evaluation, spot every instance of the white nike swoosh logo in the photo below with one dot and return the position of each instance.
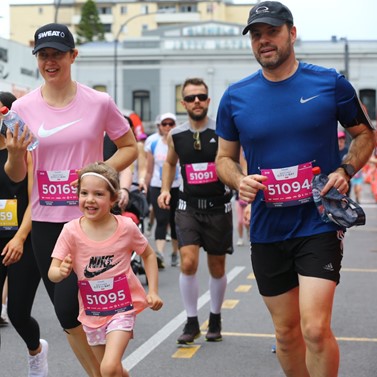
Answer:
(42, 132)
(304, 100)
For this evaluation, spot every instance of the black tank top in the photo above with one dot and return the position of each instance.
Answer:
(184, 147)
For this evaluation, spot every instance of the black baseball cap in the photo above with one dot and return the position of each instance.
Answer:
(55, 36)
(269, 12)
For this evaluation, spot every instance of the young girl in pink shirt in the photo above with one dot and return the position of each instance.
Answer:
(98, 247)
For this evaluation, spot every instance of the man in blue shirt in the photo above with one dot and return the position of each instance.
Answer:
(285, 118)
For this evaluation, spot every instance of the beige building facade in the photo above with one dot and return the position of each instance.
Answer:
(123, 18)
(152, 47)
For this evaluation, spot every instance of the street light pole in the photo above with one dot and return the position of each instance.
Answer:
(116, 43)
(346, 57)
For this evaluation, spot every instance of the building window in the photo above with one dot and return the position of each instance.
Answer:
(141, 104)
(107, 28)
(179, 109)
(166, 8)
(123, 9)
(40, 10)
(368, 98)
(100, 88)
(188, 8)
(144, 27)
(144, 9)
(104, 10)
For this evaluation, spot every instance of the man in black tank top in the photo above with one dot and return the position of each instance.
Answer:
(204, 214)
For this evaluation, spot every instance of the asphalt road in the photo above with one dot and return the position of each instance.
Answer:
(247, 328)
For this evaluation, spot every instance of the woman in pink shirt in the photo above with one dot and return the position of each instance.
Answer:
(69, 119)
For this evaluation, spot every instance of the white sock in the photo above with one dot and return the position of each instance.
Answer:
(3, 309)
(217, 289)
(189, 287)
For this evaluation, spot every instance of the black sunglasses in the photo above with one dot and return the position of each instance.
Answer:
(197, 143)
(192, 97)
(164, 124)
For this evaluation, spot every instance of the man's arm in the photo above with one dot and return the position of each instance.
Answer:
(228, 165)
(361, 147)
(360, 150)
(230, 172)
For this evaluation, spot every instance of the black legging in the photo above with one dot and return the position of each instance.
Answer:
(164, 216)
(23, 281)
(63, 295)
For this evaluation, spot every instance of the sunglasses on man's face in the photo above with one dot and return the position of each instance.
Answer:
(193, 97)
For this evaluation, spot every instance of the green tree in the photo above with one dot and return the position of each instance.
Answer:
(90, 27)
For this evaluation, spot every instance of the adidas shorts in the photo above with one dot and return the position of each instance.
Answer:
(277, 265)
(211, 230)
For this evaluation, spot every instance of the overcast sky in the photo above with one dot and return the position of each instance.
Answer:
(315, 19)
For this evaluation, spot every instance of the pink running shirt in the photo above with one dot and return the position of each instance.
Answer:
(69, 138)
(88, 254)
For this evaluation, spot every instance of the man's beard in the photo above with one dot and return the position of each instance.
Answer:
(282, 56)
(197, 117)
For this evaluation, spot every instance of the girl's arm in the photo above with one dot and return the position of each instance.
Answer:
(59, 269)
(151, 270)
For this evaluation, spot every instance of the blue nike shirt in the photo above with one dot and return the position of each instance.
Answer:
(282, 124)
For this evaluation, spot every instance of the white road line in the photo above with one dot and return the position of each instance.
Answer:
(153, 342)
(368, 205)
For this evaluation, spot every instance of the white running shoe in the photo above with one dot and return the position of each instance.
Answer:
(38, 366)
(4, 320)
(240, 242)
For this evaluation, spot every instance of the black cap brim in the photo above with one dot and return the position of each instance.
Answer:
(264, 20)
(55, 45)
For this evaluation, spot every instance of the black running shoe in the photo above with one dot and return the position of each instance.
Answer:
(214, 328)
(174, 259)
(191, 331)
(160, 260)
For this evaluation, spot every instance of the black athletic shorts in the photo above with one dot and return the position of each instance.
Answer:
(211, 230)
(277, 265)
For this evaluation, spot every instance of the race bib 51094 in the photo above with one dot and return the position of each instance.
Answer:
(288, 186)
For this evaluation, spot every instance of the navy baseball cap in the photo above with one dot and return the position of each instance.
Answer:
(268, 12)
(55, 36)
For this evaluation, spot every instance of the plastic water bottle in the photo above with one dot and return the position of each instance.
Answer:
(10, 118)
(318, 183)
